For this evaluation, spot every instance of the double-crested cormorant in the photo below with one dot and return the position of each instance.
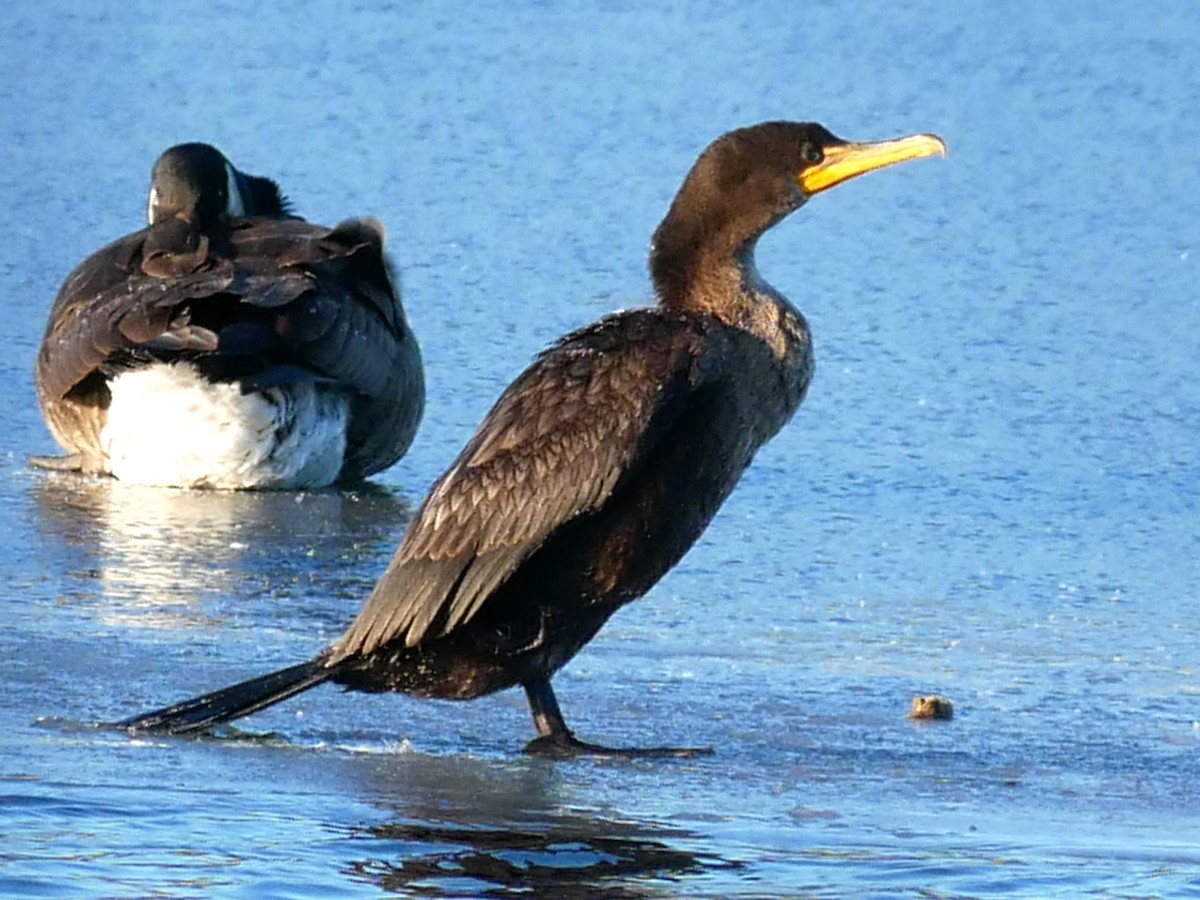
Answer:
(230, 344)
(600, 465)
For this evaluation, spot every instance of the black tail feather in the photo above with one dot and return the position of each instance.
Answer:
(231, 702)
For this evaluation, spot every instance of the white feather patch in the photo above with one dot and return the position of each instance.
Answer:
(168, 426)
(235, 203)
(153, 203)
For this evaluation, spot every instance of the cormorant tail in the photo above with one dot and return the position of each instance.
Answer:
(231, 702)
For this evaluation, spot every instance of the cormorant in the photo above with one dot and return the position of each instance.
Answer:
(600, 465)
(230, 344)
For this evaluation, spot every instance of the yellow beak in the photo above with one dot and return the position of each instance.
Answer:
(844, 161)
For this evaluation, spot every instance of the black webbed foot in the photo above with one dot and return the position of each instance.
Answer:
(564, 745)
(556, 741)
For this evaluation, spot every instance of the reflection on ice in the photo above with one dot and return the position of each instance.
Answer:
(146, 554)
(460, 827)
(574, 858)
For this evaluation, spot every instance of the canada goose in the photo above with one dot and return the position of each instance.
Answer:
(230, 344)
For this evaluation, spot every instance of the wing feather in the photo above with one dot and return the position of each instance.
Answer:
(554, 447)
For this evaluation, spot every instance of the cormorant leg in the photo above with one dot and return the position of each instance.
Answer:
(556, 740)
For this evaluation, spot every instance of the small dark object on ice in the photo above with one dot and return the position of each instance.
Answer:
(931, 707)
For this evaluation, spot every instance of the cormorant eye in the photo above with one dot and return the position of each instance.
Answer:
(812, 154)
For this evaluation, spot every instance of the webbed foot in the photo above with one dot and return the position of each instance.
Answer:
(556, 741)
(71, 462)
(564, 745)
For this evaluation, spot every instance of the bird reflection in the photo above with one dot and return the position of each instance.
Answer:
(147, 554)
(579, 858)
(461, 826)
(477, 828)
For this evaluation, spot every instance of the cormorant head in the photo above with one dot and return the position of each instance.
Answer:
(774, 167)
(747, 180)
(196, 183)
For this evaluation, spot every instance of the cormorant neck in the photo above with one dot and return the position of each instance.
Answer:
(702, 254)
(705, 264)
(700, 276)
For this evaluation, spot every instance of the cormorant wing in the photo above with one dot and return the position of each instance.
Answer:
(557, 443)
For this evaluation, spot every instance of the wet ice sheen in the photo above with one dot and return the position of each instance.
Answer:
(990, 492)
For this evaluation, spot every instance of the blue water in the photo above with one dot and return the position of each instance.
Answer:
(991, 492)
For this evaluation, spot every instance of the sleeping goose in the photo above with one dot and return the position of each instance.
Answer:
(230, 344)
